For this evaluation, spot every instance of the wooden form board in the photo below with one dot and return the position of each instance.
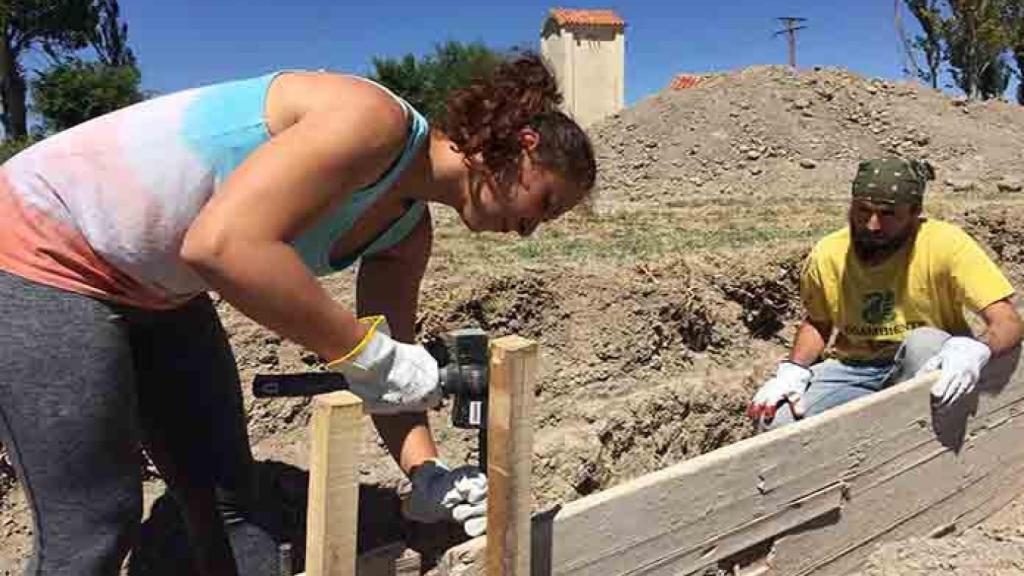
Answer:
(513, 370)
(812, 498)
(336, 432)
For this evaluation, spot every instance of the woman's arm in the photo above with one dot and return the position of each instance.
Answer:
(239, 243)
(389, 284)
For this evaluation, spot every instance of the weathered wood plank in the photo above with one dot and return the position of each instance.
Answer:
(335, 429)
(696, 557)
(866, 443)
(940, 491)
(513, 371)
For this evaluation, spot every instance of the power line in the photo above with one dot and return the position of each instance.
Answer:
(791, 26)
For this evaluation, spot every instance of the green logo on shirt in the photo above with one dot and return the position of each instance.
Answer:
(877, 307)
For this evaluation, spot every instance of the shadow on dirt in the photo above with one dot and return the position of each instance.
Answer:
(281, 517)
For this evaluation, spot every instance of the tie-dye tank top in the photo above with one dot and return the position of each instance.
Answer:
(102, 208)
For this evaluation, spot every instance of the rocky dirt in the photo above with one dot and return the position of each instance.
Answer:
(660, 309)
(995, 548)
(772, 133)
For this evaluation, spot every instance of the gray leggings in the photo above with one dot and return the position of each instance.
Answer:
(84, 383)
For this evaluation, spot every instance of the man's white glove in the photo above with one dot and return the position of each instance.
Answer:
(443, 495)
(960, 360)
(389, 376)
(789, 384)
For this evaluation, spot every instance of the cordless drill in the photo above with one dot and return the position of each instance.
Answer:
(463, 376)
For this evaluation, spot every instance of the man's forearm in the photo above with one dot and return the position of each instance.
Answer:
(809, 344)
(1003, 327)
(1001, 338)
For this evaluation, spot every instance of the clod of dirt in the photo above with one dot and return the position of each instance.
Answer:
(960, 185)
(1010, 185)
(7, 476)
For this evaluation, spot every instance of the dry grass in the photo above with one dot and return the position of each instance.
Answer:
(626, 234)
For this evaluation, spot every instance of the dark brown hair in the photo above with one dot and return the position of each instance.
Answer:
(485, 118)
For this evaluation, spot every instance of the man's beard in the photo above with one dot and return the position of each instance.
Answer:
(875, 247)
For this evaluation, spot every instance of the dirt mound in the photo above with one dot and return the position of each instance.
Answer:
(1002, 231)
(773, 132)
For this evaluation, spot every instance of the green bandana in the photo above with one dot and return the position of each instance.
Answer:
(892, 180)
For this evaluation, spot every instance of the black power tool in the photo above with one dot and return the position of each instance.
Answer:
(463, 376)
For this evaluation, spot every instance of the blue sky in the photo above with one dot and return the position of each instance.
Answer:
(184, 43)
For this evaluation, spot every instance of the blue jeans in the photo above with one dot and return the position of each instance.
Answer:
(834, 383)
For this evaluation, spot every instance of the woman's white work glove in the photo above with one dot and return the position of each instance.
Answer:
(443, 495)
(789, 384)
(389, 376)
(960, 359)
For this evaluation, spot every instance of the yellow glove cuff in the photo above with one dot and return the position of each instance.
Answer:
(372, 323)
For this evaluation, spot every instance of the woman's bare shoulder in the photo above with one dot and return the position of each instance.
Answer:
(292, 95)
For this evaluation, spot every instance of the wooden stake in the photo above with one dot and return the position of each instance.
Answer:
(513, 372)
(333, 509)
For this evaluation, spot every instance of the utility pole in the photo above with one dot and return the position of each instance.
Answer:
(790, 23)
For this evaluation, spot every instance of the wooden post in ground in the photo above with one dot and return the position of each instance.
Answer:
(513, 372)
(333, 510)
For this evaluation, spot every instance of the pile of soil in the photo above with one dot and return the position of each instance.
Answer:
(774, 133)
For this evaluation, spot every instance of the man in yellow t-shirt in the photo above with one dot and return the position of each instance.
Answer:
(892, 286)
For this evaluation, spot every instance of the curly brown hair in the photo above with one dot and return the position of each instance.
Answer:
(485, 118)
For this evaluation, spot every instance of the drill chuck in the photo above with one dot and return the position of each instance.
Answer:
(468, 381)
(464, 376)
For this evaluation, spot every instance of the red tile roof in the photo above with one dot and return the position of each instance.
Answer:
(567, 16)
(684, 81)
